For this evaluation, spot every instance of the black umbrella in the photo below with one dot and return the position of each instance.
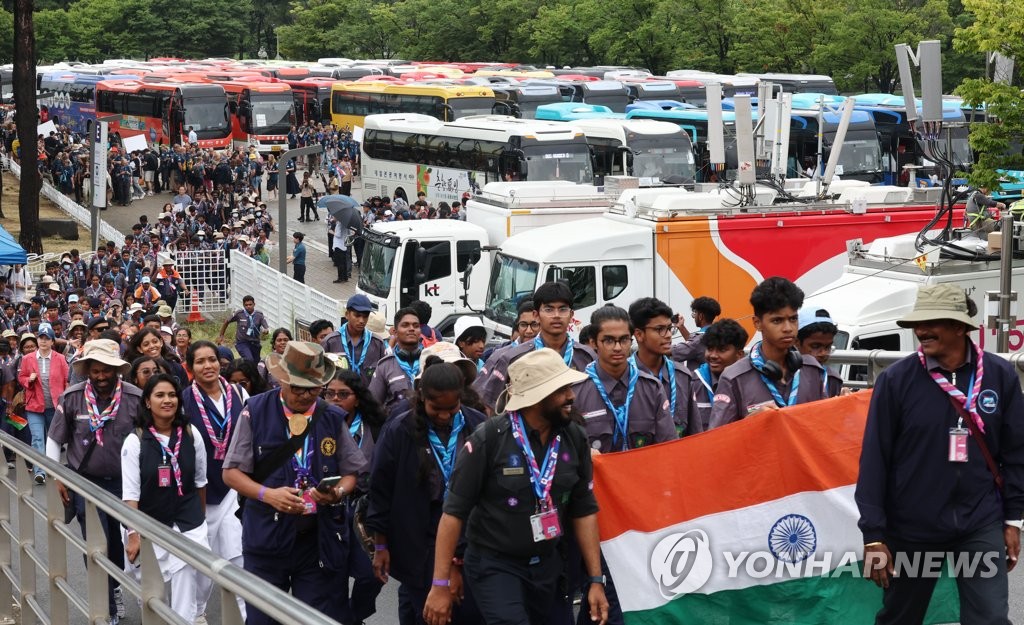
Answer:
(345, 211)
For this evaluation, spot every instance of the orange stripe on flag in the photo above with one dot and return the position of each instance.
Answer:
(809, 447)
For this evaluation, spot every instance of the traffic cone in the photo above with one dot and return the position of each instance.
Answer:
(194, 316)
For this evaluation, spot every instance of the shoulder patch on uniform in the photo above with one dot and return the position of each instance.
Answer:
(498, 374)
(722, 397)
(468, 447)
(666, 405)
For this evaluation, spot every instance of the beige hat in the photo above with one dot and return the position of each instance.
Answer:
(53, 286)
(164, 311)
(938, 302)
(47, 279)
(103, 351)
(77, 323)
(449, 352)
(377, 325)
(533, 377)
(135, 307)
(8, 334)
(302, 364)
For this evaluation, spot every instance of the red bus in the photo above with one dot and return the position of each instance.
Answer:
(262, 113)
(164, 111)
(312, 99)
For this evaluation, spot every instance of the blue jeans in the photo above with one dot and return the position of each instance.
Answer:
(249, 351)
(39, 425)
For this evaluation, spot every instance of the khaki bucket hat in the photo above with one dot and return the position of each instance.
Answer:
(938, 302)
(533, 377)
(302, 364)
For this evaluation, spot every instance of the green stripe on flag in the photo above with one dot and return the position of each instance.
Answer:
(844, 600)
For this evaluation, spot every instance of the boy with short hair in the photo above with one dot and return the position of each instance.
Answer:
(252, 325)
(775, 374)
(723, 341)
(815, 338)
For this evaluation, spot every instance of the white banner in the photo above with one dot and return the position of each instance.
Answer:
(137, 143)
(46, 129)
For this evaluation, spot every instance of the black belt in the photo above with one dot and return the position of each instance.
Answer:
(518, 559)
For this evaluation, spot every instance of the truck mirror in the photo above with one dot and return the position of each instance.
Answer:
(420, 262)
(467, 272)
(233, 106)
(556, 273)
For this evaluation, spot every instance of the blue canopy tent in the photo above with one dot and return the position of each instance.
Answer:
(10, 252)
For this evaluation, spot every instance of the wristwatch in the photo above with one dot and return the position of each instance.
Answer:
(599, 579)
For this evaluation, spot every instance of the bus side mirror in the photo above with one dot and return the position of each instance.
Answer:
(501, 108)
(447, 112)
(420, 263)
(233, 107)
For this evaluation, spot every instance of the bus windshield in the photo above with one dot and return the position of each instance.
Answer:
(560, 161)
(271, 114)
(512, 281)
(661, 157)
(464, 107)
(376, 268)
(207, 117)
(861, 153)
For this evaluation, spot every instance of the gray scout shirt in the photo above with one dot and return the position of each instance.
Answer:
(649, 420)
(105, 461)
(685, 416)
(491, 380)
(740, 388)
(390, 384)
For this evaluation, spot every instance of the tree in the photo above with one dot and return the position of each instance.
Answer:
(998, 26)
(26, 120)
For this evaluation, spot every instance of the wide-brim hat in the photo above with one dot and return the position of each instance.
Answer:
(939, 302)
(533, 377)
(302, 364)
(449, 353)
(102, 351)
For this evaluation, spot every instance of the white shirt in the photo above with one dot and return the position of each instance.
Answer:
(130, 472)
(193, 137)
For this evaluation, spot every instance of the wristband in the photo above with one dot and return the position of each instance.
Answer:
(130, 532)
(380, 547)
(263, 489)
(441, 582)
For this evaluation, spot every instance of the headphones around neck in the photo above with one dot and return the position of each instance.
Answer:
(408, 356)
(794, 360)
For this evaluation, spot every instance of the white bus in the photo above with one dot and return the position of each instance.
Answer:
(412, 152)
(656, 152)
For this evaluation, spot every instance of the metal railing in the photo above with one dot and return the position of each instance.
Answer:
(878, 359)
(19, 545)
(279, 297)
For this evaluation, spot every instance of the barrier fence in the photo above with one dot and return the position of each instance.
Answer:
(26, 557)
(205, 273)
(281, 299)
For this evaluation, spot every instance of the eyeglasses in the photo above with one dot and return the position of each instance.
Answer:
(551, 310)
(610, 341)
(665, 330)
(304, 390)
(342, 395)
(531, 325)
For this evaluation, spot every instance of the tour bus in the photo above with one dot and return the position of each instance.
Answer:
(164, 111)
(861, 156)
(352, 102)
(610, 93)
(646, 90)
(573, 111)
(71, 98)
(312, 98)
(798, 83)
(899, 145)
(656, 152)
(695, 123)
(409, 153)
(731, 85)
(523, 100)
(262, 113)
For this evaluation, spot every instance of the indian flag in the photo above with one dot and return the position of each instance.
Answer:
(753, 523)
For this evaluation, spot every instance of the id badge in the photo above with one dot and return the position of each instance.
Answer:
(308, 505)
(163, 476)
(958, 444)
(545, 526)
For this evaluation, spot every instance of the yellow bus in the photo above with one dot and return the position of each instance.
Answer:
(351, 102)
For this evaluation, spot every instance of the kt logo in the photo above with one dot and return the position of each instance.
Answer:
(431, 290)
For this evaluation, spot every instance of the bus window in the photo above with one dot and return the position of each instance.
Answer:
(439, 260)
(614, 279)
(467, 253)
(582, 281)
(605, 154)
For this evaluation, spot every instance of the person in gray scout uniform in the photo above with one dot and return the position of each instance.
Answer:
(363, 349)
(690, 351)
(723, 345)
(394, 375)
(775, 374)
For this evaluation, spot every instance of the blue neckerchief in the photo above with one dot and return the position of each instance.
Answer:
(411, 371)
(704, 373)
(621, 413)
(758, 361)
(356, 429)
(350, 349)
(671, 381)
(445, 455)
(567, 356)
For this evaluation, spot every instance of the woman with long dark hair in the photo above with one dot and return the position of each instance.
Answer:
(413, 460)
(150, 342)
(365, 417)
(278, 341)
(163, 471)
(145, 367)
(245, 374)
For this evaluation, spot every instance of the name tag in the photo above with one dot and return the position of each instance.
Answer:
(700, 405)
(512, 471)
(595, 413)
(397, 378)
(82, 417)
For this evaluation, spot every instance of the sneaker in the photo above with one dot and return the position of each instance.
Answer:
(200, 620)
(40, 478)
(119, 601)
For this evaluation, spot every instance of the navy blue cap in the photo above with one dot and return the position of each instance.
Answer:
(359, 303)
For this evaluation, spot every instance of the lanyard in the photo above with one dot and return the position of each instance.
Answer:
(758, 361)
(98, 419)
(171, 455)
(356, 429)
(969, 401)
(621, 413)
(350, 350)
(251, 329)
(445, 455)
(410, 370)
(220, 443)
(704, 375)
(671, 381)
(567, 356)
(540, 477)
(300, 461)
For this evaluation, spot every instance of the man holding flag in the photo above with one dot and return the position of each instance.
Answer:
(942, 467)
